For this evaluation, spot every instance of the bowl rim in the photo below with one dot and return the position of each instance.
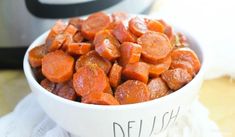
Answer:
(31, 80)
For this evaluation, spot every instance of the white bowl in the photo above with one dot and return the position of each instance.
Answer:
(147, 119)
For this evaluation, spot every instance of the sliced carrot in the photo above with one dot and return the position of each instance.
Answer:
(176, 78)
(57, 42)
(132, 91)
(115, 75)
(36, 54)
(78, 48)
(158, 68)
(157, 88)
(138, 26)
(70, 30)
(155, 25)
(129, 53)
(121, 32)
(94, 23)
(93, 57)
(155, 46)
(78, 37)
(136, 71)
(48, 85)
(57, 66)
(88, 79)
(100, 98)
(77, 22)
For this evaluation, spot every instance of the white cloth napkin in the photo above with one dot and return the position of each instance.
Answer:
(29, 120)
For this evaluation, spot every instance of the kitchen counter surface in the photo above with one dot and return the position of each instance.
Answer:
(217, 95)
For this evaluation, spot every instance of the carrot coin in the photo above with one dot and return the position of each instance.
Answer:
(155, 25)
(137, 26)
(88, 79)
(121, 32)
(115, 75)
(100, 98)
(155, 46)
(77, 22)
(78, 37)
(184, 65)
(78, 48)
(48, 85)
(35, 56)
(186, 54)
(132, 91)
(119, 16)
(94, 23)
(70, 30)
(57, 66)
(106, 45)
(176, 78)
(136, 71)
(129, 53)
(93, 57)
(157, 88)
(66, 91)
(162, 65)
(56, 42)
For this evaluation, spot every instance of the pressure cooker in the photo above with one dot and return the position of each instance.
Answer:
(21, 21)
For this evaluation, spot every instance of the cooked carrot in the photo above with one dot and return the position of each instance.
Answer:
(48, 85)
(155, 46)
(78, 48)
(186, 54)
(155, 25)
(94, 23)
(138, 26)
(77, 22)
(78, 37)
(88, 79)
(119, 16)
(129, 53)
(158, 68)
(106, 45)
(100, 98)
(70, 30)
(157, 88)
(56, 42)
(66, 91)
(115, 75)
(132, 91)
(184, 65)
(168, 30)
(176, 78)
(35, 56)
(93, 57)
(121, 32)
(136, 71)
(57, 66)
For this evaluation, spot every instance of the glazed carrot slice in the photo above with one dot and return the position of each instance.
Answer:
(121, 32)
(168, 30)
(100, 98)
(119, 16)
(77, 22)
(93, 57)
(94, 23)
(106, 45)
(176, 78)
(57, 66)
(56, 42)
(48, 85)
(184, 65)
(88, 79)
(155, 46)
(78, 37)
(154, 25)
(67, 91)
(78, 48)
(162, 65)
(35, 56)
(137, 26)
(186, 54)
(115, 75)
(132, 91)
(70, 30)
(129, 53)
(136, 71)
(157, 88)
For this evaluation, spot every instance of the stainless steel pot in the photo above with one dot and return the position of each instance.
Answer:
(21, 21)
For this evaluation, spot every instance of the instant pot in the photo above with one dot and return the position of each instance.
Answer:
(21, 21)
